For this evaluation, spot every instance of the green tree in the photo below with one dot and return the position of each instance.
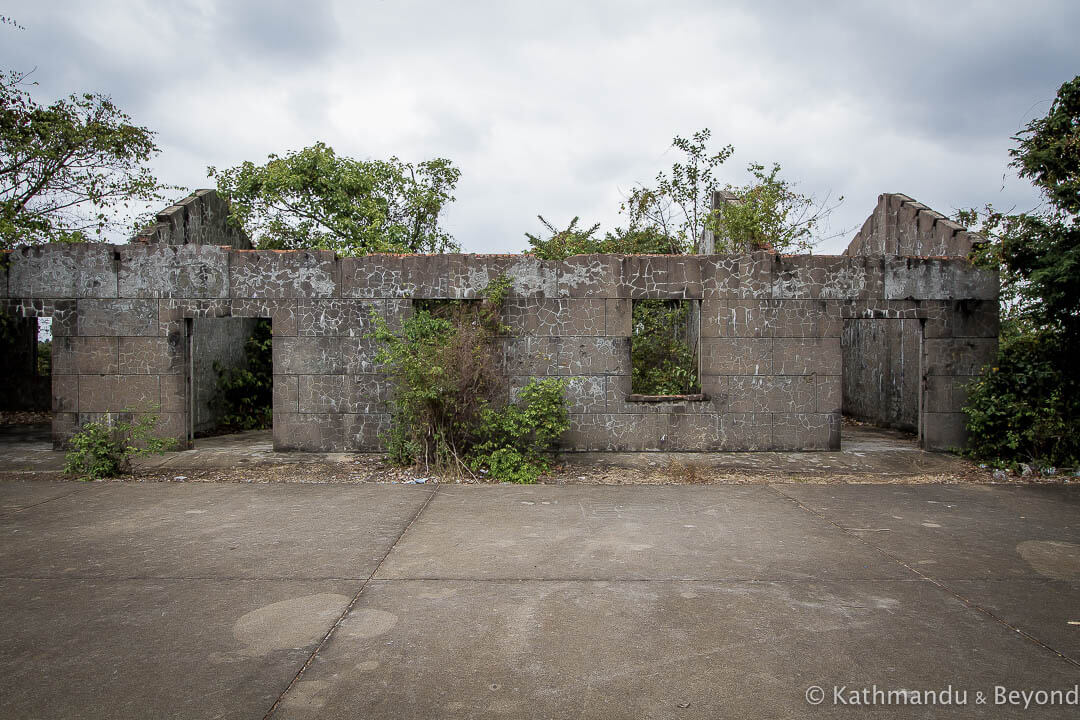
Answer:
(573, 240)
(315, 198)
(1026, 406)
(678, 205)
(69, 169)
(767, 212)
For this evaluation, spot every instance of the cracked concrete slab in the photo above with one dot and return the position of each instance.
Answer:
(215, 531)
(1014, 551)
(224, 600)
(626, 533)
(156, 648)
(536, 649)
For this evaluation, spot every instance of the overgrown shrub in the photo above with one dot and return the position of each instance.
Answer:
(516, 440)
(450, 410)
(105, 449)
(1024, 408)
(245, 395)
(662, 361)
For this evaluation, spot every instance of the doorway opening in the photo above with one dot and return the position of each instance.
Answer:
(230, 379)
(882, 384)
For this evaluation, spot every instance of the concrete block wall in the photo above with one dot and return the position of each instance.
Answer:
(900, 225)
(770, 336)
(198, 219)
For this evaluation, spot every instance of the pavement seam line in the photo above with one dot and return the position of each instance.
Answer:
(58, 497)
(971, 604)
(352, 603)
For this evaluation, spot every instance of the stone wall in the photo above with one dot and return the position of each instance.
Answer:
(770, 335)
(199, 219)
(902, 226)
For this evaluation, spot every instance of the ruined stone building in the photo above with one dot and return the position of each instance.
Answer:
(889, 332)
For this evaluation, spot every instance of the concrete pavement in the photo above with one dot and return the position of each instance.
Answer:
(124, 600)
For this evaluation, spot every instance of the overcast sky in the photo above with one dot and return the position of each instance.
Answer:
(559, 108)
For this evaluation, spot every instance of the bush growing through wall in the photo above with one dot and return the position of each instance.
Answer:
(450, 410)
(105, 449)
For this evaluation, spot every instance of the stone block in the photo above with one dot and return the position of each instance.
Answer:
(718, 390)
(613, 432)
(173, 271)
(945, 393)
(619, 317)
(594, 356)
(62, 271)
(171, 425)
(829, 390)
(688, 432)
(738, 276)
(961, 318)
(531, 355)
(944, 431)
(329, 432)
(732, 317)
(286, 394)
(805, 431)
(309, 432)
(283, 274)
(584, 316)
(85, 355)
(591, 276)
(771, 393)
(64, 425)
(65, 393)
(119, 393)
(63, 318)
(151, 355)
(745, 431)
(365, 433)
(305, 355)
(666, 277)
(807, 356)
(828, 277)
(912, 278)
(282, 312)
(174, 394)
(366, 393)
(359, 356)
(395, 276)
(958, 356)
(130, 317)
(344, 317)
(736, 356)
(617, 390)
(556, 317)
(530, 277)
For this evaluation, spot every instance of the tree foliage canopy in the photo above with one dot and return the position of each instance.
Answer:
(573, 240)
(315, 198)
(767, 212)
(1026, 407)
(69, 169)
